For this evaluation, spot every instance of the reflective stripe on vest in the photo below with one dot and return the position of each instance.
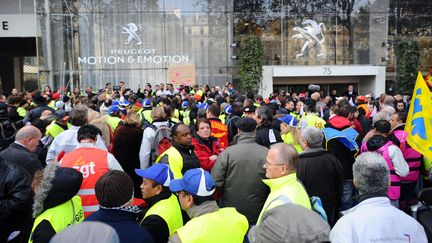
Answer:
(175, 161)
(220, 131)
(412, 157)
(61, 216)
(169, 210)
(283, 198)
(186, 118)
(93, 164)
(224, 225)
(394, 188)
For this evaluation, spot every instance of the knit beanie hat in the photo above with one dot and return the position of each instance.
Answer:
(114, 189)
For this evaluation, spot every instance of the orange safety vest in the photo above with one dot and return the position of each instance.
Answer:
(92, 163)
(220, 131)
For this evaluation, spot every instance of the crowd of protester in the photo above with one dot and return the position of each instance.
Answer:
(207, 164)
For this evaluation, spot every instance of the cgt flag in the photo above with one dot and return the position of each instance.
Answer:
(419, 120)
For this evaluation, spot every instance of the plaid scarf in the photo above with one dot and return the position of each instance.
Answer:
(130, 209)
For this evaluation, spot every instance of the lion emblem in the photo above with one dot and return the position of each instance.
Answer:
(131, 30)
(312, 33)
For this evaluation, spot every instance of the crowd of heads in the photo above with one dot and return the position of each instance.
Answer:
(116, 189)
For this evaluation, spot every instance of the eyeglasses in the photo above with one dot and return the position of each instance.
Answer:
(268, 164)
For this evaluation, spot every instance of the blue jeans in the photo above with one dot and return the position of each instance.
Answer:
(246, 239)
(394, 203)
(348, 192)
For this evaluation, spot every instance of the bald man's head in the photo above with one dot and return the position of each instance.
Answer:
(29, 136)
(316, 96)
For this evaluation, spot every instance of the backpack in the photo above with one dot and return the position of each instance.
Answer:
(161, 142)
(7, 133)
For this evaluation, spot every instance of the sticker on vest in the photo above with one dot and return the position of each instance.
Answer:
(272, 136)
(85, 169)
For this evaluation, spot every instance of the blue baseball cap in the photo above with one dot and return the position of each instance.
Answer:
(124, 102)
(159, 172)
(288, 119)
(113, 109)
(197, 182)
(185, 104)
(202, 106)
(115, 102)
(228, 109)
(146, 103)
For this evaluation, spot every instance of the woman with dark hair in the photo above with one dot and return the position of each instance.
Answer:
(47, 90)
(206, 146)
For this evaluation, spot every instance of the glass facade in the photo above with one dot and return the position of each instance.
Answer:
(411, 20)
(93, 42)
(317, 32)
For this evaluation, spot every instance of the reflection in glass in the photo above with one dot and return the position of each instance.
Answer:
(91, 42)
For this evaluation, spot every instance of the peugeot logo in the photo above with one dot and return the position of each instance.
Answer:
(131, 29)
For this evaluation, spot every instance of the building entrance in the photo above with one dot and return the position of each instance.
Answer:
(325, 88)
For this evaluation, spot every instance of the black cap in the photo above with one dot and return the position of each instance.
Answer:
(38, 98)
(246, 124)
(89, 129)
(249, 108)
(66, 98)
(310, 103)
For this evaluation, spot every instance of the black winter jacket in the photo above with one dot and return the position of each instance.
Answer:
(190, 160)
(15, 199)
(334, 146)
(155, 224)
(322, 175)
(264, 134)
(21, 156)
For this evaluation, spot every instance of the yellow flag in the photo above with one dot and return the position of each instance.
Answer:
(419, 120)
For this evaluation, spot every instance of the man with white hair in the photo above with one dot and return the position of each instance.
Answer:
(281, 165)
(320, 172)
(388, 105)
(374, 219)
(67, 140)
